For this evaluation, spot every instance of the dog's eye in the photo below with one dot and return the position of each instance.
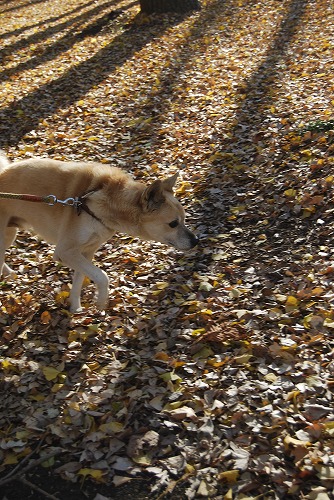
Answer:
(174, 223)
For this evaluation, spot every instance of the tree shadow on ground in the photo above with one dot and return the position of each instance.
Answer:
(258, 87)
(50, 20)
(24, 114)
(21, 6)
(240, 139)
(160, 97)
(64, 43)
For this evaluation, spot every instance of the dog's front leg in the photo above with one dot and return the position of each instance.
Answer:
(83, 267)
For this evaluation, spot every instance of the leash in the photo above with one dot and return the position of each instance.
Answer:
(50, 199)
(79, 203)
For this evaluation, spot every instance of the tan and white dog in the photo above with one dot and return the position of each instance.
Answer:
(107, 200)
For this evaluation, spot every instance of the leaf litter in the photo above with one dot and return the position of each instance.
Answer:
(210, 373)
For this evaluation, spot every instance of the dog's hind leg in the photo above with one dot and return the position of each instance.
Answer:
(9, 237)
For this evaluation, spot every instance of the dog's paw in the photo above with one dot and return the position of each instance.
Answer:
(102, 299)
(75, 307)
(102, 305)
(8, 272)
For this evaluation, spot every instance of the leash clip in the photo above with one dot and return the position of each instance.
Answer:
(51, 200)
(70, 202)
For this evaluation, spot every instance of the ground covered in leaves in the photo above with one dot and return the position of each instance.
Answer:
(211, 374)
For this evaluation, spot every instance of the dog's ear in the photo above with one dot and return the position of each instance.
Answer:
(153, 197)
(169, 183)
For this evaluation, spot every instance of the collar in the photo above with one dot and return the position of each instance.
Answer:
(81, 205)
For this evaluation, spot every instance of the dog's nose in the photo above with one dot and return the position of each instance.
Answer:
(194, 241)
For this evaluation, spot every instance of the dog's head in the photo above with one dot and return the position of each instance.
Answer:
(162, 217)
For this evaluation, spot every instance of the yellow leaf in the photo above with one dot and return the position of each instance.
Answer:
(329, 428)
(293, 395)
(37, 397)
(230, 476)
(290, 193)
(72, 336)
(307, 321)
(50, 373)
(48, 463)
(94, 473)
(142, 459)
(229, 495)
(57, 387)
(62, 296)
(271, 377)
(94, 365)
(6, 365)
(291, 302)
(318, 290)
(174, 405)
(329, 323)
(216, 364)
(170, 376)
(22, 434)
(198, 331)
(161, 285)
(237, 209)
(306, 152)
(243, 358)
(10, 459)
(111, 427)
(288, 440)
(307, 212)
(206, 312)
(275, 313)
(217, 256)
(216, 156)
(189, 469)
(183, 188)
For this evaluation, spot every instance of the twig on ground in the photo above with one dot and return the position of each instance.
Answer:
(19, 475)
(23, 461)
(37, 488)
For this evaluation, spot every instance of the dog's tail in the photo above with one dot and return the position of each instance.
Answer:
(4, 162)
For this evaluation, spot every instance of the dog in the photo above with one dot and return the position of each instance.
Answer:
(103, 200)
